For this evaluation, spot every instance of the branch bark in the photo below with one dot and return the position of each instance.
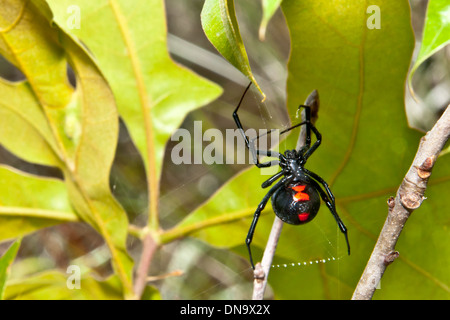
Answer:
(149, 247)
(409, 197)
(261, 272)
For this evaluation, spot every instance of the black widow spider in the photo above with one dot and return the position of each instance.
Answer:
(296, 197)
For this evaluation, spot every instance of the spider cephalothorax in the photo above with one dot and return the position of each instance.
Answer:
(296, 196)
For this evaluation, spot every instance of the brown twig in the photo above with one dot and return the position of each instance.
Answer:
(149, 247)
(409, 197)
(175, 273)
(261, 272)
(262, 269)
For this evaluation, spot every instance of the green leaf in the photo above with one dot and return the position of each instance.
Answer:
(436, 33)
(89, 187)
(153, 93)
(29, 203)
(221, 27)
(83, 122)
(151, 293)
(367, 148)
(26, 37)
(53, 285)
(24, 48)
(361, 90)
(25, 130)
(5, 263)
(269, 9)
(211, 220)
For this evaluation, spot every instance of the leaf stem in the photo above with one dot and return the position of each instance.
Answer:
(180, 231)
(409, 197)
(39, 213)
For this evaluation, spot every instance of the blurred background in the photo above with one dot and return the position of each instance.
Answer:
(208, 273)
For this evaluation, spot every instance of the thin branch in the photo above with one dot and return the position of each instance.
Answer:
(261, 272)
(149, 246)
(262, 269)
(409, 197)
(175, 273)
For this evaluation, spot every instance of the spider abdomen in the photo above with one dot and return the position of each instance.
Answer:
(296, 203)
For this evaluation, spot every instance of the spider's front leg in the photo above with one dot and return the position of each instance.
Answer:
(257, 213)
(309, 127)
(269, 153)
(251, 143)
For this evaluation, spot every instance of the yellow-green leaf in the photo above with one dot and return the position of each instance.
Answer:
(89, 183)
(53, 285)
(24, 128)
(5, 263)
(29, 43)
(153, 93)
(83, 122)
(29, 203)
(221, 27)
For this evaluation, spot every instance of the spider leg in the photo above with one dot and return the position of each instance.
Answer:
(316, 144)
(328, 198)
(272, 179)
(236, 117)
(256, 152)
(250, 143)
(309, 126)
(257, 213)
(293, 127)
(323, 182)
